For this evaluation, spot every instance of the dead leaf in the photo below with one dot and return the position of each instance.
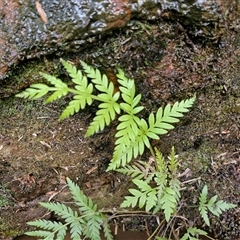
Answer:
(45, 144)
(88, 184)
(91, 170)
(41, 12)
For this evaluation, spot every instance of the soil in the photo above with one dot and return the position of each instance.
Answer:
(169, 63)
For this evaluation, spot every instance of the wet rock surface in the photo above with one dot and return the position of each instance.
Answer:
(30, 28)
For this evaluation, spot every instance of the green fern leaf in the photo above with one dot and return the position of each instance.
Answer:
(131, 201)
(127, 143)
(107, 231)
(60, 88)
(168, 202)
(83, 93)
(220, 206)
(202, 205)
(35, 91)
(162, 122)
(76, 228)
(132, 171)
(145, 197)
(109, 108)
(175, 185)
(104, 116)
(151, 200)
(142, 185)
(140, 170)
(125, 150)
(138, 196)
(191, 232)
(46, 224)
(47, 235)
(61, 233)
(93, 226)
(173, 162)
(92, 217)
(75, 105)
(54, 227)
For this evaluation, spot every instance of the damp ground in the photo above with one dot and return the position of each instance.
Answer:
(169, 63)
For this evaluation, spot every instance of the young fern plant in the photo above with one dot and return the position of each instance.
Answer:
(88, 224)
(133, 133)
(213, 206)
(164, 195)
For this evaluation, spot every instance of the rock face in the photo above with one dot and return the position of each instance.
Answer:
(31, 28)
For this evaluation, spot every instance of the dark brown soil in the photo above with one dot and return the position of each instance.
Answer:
(169, 63)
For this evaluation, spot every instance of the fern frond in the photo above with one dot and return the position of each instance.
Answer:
(202, 205)
(109, 106)
(35, 91)
(161, 174)
(86, 205)
(172, 162)
(82, 93)
(93, 226)
(129, 143)
(91, 215)
(76, 228)
(217, 208)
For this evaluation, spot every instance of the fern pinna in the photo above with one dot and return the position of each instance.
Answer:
(133, 133)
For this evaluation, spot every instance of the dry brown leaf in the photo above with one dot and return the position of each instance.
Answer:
(45, 144)
(91, 170)
(41, 12)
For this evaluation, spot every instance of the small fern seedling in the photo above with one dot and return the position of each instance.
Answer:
(214, 206)
(133, 133)
(88, 223)
(164, 196)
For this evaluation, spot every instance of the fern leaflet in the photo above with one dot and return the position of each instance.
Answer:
(168, 202)
(192, 232)
(38, 90)
(83, 93)
(214, 206)
(139, 170)
(109, 106)
(145, 197)
(52, 226)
